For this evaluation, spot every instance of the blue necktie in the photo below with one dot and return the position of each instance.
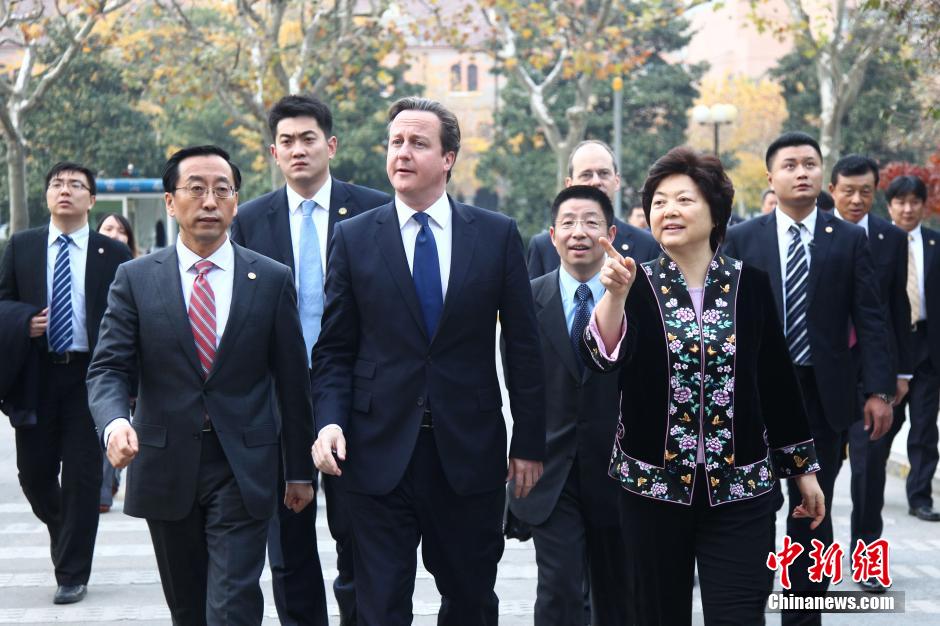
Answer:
(427, 275)
(310, 279)
(60, 307)
(796, 295)
(582, 315)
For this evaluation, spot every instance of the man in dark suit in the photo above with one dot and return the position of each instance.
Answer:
(854, 180)
(214, 331)
(823, 278)
(63, 269)
(573, 509)
(907, 203)
(592, 163)
(273, 225)
(405, 380)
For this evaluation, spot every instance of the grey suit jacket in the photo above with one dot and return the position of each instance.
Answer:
(257, 392)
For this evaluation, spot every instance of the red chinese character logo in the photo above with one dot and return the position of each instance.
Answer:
(783, 559)
(871, 561)
(826, 563)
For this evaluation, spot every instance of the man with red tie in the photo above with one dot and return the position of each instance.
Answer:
(214, 332)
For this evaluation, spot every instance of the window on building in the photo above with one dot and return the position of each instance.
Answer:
(456, 77)
(472, 77)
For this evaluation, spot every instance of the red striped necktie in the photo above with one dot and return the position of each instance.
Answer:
(202, 316)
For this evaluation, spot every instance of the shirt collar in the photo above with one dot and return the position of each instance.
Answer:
(79, 237)
(862, 222)
(916, 234)
(223, 258)
(784, 221)
(568, 285)
(439, 211)
(321, 197)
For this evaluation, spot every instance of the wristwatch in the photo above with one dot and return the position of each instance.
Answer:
(883, 397)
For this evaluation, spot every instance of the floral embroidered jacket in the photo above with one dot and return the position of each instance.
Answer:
(730, 379)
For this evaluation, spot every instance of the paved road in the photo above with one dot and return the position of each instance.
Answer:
(125, 586)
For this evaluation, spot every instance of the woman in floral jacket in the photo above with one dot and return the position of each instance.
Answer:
(711, 410)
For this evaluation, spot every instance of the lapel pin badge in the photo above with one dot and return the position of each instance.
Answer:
(625, 246)
(342, 210)
(828, 229)
(100, 250)
(881, 235)
(932, 242)
(252, 276)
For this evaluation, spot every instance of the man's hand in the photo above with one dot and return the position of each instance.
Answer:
(38, 323)
(122, 445)
(526, 474)
(618, 272)
(297, 496)
(878, 416)
(330, 441)
(903, 386)
(814, 502)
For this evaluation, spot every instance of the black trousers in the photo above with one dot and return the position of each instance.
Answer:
(829, 449)
(571, 550)
(461, 543)
(296, 575)
(337, 517)
(210, 561)
(729, 542)
(922, 402)
(64, 437)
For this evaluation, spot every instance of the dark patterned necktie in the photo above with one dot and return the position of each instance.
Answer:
(60, 309)
(797, 302)
(426, 272)
(582, 315)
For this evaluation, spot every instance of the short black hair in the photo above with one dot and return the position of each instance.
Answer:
(584, 192)
(709, 176)
(171, 170)
(450, 128)
(854, 165)
(788, 140)
(126, 225)
(300, 105)
(71, 166)
(766, 193)
(825, 202)
(904, 185)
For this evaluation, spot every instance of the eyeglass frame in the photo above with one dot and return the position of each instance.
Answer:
(58, 184)
(584, 225)
(188, 188)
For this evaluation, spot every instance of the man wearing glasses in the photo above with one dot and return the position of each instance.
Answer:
(213, 329)
(69, 297)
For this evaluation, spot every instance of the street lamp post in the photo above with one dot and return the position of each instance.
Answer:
(716, 115)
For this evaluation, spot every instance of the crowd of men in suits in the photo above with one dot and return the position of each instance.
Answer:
(331, 320)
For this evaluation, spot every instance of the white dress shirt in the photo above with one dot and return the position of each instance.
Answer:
(441, 226)
(784, 238)
(321, 219)
(862, 222)
(78, 257)
(221, 278)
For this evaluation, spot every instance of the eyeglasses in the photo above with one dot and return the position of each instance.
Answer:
(587, 176)
(587, 225)
(195, 190)
(73, 185)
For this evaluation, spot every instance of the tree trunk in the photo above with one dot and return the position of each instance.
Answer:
(562, 152)
(16, 175)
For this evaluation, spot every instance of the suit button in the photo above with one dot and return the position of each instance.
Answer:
(421, 401)
(196, 435)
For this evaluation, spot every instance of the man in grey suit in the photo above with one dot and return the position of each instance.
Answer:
(215, 333)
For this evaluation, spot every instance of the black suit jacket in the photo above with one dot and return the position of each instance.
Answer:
(375, 370)
(630, 241)
(842, 290)
(931, 239)
(23, 275)
(888, 245)
(258, 379)
(582, 407)
(263, 224)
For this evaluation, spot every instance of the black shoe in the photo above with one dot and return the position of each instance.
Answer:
(925, 513)
(872, 586)
(69, 594)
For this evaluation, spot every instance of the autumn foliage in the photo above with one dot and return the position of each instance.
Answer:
(929, 173)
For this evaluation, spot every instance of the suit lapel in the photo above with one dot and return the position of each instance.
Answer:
(94, 272)
(167, 286)
(819, 250)
(243, 293)
(929, 242)
(551, 316)
(279, 223)
(462, 246)
(770, 249)
(38, 248)
(340, 199)
(388, 240)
